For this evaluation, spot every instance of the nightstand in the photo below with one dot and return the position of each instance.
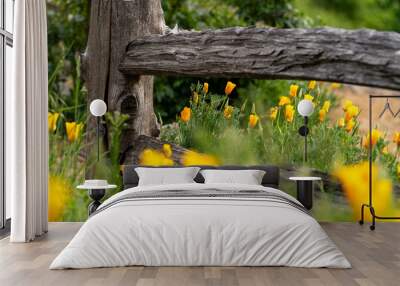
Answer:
(305, 186)
(96, 191)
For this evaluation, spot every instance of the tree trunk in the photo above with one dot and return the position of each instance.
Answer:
(113, 24)
(95, 64)
(362, 57)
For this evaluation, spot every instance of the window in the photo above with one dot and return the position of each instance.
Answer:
(6, 63)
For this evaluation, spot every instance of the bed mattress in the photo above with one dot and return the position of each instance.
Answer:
(201, 225)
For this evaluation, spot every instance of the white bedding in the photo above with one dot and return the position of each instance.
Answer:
(200, 231)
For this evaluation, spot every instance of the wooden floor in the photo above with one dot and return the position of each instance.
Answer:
(375, 257)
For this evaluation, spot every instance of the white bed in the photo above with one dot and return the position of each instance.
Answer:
(189, 231)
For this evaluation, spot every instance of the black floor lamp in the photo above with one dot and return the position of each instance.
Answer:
(98, 108)
(305, 109)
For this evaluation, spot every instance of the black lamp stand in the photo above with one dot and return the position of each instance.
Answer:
(98, 137)
(96, 194)
(303, 131)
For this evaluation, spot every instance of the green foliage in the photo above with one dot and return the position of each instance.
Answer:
(206, 115)
(285, 141)
(170, 93)
(335, 145)
(353, 14)
(201, 14)
(65, 161)
(381, 154)
(233, 146)
(331, 207)
(392, 11)
(234, 141)
(264, 93)
(272, 13)
(64, 156)
(67, 26)
(67, 98)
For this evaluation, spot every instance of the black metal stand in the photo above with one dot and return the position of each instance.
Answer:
(305, 193)
(96, 195)
(98, 137)
(370, 204)
(303, 131)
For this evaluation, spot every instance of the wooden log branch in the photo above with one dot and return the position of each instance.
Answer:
(362, 57)
(133, 95)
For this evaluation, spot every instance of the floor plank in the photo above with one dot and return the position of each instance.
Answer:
(375, 257)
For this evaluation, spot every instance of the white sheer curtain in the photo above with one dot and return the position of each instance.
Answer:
(26, 123)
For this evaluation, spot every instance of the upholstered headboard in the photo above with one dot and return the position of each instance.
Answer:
(271, 177)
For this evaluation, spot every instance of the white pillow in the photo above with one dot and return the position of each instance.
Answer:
(166, 176)
(248, 177)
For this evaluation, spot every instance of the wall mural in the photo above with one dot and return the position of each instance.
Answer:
(227, 128)
(221, 122)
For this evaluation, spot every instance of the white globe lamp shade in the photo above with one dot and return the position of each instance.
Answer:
(305, 108)
(98, 107)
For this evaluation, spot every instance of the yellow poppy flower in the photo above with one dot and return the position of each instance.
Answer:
(195, 97)
(230, 86)
(150, 157)
(385, 150)
(289, 112)
(52, 119)
(341, 122)
(354, 180)
(312, 84)
(326, 106)
(293, 90)
(253, 120)
(350, 125)
(308, 97)
(167, 150)
(273, 112)
(396, 138)
(186, 113)
(228, 111)
(205, 87)
(322, 115)
(60, 192)
(376, 135)
(351, 112)
(74, 130)
(335, 85)
(190, 158)
(283, 100)
(346, 104)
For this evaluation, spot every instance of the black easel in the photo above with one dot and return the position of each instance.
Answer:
(370, 205)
